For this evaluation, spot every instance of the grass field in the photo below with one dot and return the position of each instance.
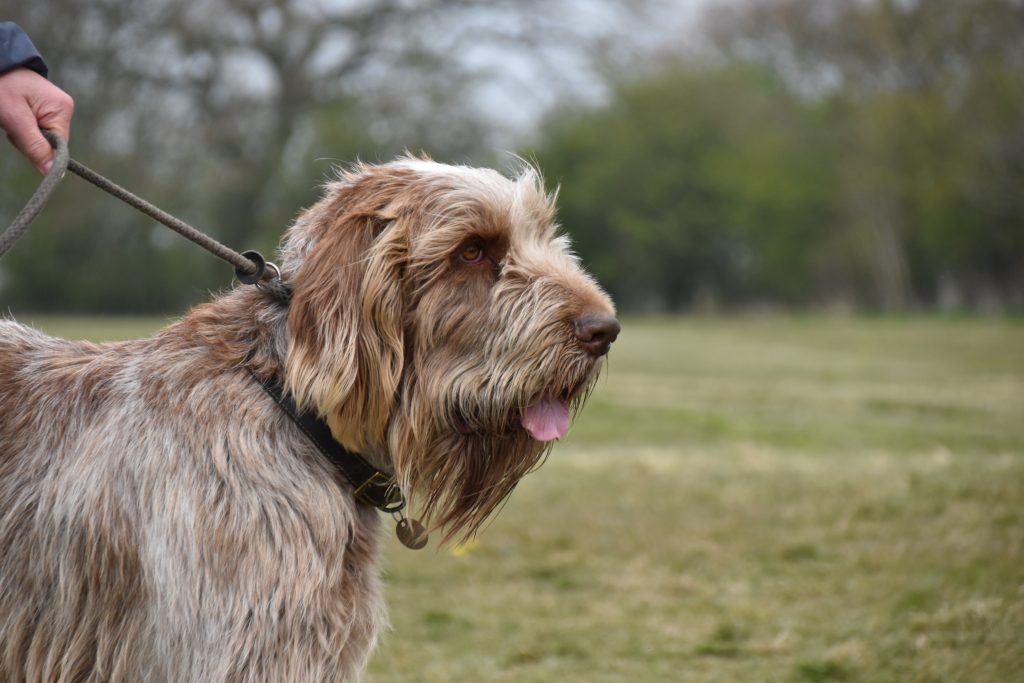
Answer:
(746, 500)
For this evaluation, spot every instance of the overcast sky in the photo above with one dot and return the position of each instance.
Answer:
(523, 90)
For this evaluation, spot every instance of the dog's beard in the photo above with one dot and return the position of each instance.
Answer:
(460, 453)
(457, 480)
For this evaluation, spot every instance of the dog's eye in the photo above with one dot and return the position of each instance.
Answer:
(472, 253)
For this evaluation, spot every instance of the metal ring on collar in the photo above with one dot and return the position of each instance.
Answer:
(270, 265)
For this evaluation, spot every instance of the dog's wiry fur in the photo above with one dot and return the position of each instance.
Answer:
(161, 519)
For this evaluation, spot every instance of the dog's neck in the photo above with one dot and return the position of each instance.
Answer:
(247, 327)
(370, 485)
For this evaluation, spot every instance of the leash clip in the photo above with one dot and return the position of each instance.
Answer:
(276, 276)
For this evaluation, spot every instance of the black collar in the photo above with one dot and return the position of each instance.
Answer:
(370, 486)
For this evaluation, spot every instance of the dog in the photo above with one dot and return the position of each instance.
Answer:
(162, 518)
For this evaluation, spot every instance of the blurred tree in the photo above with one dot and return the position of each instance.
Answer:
(931, 133)
(214, 109)
(695, 186)
(823, 151)
(819, 151)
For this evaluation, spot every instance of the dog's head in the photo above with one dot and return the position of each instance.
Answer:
(440, 322)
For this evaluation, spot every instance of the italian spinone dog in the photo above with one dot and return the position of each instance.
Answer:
(167, 512)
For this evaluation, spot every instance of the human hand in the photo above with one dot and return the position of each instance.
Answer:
(29, 102)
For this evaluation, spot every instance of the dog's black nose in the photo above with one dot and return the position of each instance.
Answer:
(596, 332)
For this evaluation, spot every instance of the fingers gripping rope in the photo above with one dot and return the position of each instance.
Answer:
(250, 267)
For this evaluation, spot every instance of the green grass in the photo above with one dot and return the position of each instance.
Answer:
(98, 329)
(800, 500)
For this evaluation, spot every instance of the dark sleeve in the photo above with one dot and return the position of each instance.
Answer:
(16, 49)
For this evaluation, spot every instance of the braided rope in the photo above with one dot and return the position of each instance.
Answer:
(243, 265)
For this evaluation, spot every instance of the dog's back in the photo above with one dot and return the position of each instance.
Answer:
(37, 368)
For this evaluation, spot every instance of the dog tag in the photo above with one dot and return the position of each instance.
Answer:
(411, 533)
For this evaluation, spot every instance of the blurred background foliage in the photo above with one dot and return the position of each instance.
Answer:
(807, 154)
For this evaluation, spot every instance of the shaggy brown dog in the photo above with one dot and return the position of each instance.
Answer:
(162, 519)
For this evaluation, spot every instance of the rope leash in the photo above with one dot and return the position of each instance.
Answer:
(250, 266)
(39, 197)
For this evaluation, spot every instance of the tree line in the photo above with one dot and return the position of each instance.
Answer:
(806, 154)
(818, 154)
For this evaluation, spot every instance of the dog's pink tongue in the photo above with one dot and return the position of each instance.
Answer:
(547, 419)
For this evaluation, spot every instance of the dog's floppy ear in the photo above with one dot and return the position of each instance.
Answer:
(346, 344)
